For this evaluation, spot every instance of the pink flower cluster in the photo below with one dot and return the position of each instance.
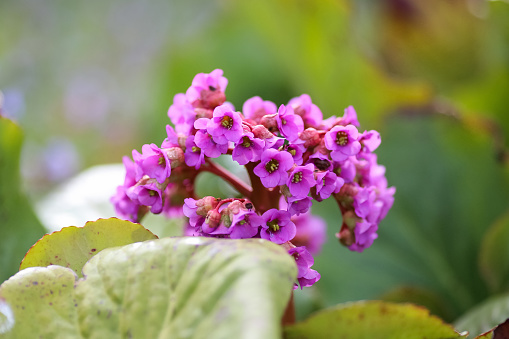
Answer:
(292, 156)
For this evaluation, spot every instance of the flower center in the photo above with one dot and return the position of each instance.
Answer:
(273, 225)
(341, 138)
(152, 193)
(246, 142)
(195, 149)
(297, 177)
(283, 121)
(272, 165)
(161, 161)
(227, 122)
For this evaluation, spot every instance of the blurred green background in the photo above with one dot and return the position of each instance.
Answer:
(90, 81)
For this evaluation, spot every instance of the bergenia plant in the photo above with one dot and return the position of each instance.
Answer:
(292, 156)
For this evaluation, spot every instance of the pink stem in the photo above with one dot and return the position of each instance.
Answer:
(222, 172)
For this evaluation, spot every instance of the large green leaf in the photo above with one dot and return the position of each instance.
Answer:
(73, 246)
(372, 319)
(172, 287)
(19, 227)
(485, 316)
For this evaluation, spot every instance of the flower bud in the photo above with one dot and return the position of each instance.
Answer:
(310, 137)
(346, 236)
(182, 140)
(270, 122)
(176, 156)
(212, 98)
(285, 190)
(213, 218)
(261, 132)
(206, 204)
(203, 113)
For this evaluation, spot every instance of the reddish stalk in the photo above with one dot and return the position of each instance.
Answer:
(289, 315)
(233, 180)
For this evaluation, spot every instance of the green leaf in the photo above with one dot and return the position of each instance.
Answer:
(484, 316)
(494, 255)
(171, 287)
(19, 227)
(499, 332)
(372, 319)
(418, 296)
(73, 246)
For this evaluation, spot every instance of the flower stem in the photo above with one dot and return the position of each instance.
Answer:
(289, 315)
(236, 182)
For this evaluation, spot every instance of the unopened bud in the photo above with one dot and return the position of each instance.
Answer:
(346, 236)
(203, 113)
(285, 190)
(176, 156)
(206, 204)
(213, 218)
(212, 98)
(182, 140)
(346, 195)
(261, 132)
(270, 122)
(310, 137)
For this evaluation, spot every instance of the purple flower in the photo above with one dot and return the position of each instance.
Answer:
(192, 231)
(130, 172)
(288, 123)
(301, 180)
(172, 139)
(125, 208)
(241, 227)
(364, 204)
(273, 167)
(309, 112)
(321, 161)
(296, 150)
(255, 108)
(294, 205)
(299, 206)
(365, 234)
(386, 197)
(148, 194)
(347, 169)
(209, 147)
(190, 208)
(305, 276)
(225, 125)
(193, 154)
(342, 142)
(207, 90)
(182, 114)
(152, 162)
(248, 149)
(327, 183)
(274, 142)
(276, 226)
(350, 117)
(370, 140)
